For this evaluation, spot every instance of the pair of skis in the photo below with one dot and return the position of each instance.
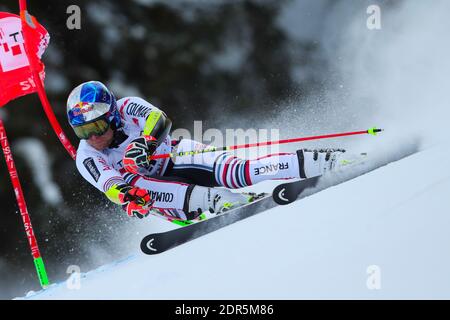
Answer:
(283, 194)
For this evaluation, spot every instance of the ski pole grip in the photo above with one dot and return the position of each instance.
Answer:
(373, 131)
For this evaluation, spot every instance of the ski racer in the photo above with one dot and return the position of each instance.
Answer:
(117, 137)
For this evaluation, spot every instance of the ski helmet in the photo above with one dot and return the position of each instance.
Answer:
(92, 110)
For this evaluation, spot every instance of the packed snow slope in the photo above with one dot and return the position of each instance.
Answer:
(394, 220)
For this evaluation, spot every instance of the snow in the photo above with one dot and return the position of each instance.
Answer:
(393, 219)
(395, 77)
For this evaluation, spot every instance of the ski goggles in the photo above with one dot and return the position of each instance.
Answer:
(96, 128)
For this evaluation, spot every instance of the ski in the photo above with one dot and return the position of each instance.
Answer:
(159, 242)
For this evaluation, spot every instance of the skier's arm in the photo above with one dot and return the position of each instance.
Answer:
(155, 126)
(152, 121)
(156, 129)
(135, 201)
(95, 169)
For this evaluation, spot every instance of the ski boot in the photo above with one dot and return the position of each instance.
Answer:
(206, 202)
(317, 162)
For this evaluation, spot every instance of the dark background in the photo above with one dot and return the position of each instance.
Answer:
(223, 62)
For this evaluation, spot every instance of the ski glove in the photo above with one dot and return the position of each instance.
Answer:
(137, 152)
(135, 201)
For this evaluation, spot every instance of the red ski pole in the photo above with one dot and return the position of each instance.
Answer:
(372, 131)
(38, 262)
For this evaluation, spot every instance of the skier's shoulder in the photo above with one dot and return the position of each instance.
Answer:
(94, 165)
(86, 153)
(134, 107)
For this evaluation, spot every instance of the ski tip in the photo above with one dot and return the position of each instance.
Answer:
(373, 131)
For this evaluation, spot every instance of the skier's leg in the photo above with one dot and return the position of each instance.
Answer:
(313, 163)
(197, 169)
(182, 201)
(233, 172)
(224, 169)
